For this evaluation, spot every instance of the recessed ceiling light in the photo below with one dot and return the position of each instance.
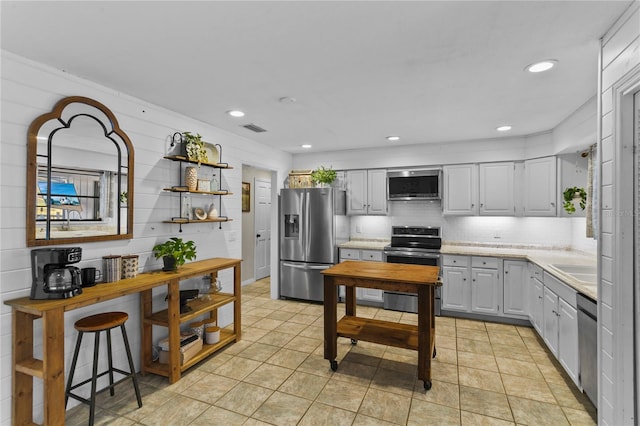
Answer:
(541, 66)
(503, 128)
(393, 138)
(306, 146)
(235, 113)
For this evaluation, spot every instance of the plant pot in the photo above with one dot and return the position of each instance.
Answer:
(170, 263)
(191, 178)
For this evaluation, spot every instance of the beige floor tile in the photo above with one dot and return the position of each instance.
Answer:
(304, 385)
(529, 412)
(209, 388)
(507, 340)
(321, 415)
(292, 328)
(479, 361)
(363, 358)
(259, 351)
(352, 372)
(445, 321)
(342, 395)
(279, 315)
(268, 323)
(248, 319)
(244, 399)
(472, 334)
(276, 338)
(362, 420)
(481, 379)
(236, 347)
(486, 403)
(219, 416)
(268, 376)
(124, 402)
(178, 411)
(499, 328)
(473, 419)
(237, 368)
(260, 312)
(386, 406)
(528, 388)
(303, 344)
(394, 381)
(253, 334)
(513, 352)
(446, 355)
(444, 372)
(467, 323)
(475, 346)
(442, 393)
(313, 332)
(580, 417)
(304, 319)
(444, 341)
(423, 413)
(291, 306)
(526, 331)
(445, 330)
(401, 367)
(282, 409)
(552, 375)
(317, 365)
(570, 396)
(79, 416)
(287, 358)
(515, 367)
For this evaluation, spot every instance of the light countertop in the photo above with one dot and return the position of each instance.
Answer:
(541, 256)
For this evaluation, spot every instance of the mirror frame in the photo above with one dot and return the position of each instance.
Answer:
(32, 172)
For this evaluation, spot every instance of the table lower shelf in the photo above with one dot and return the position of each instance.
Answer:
(226, 337)
(378, 331)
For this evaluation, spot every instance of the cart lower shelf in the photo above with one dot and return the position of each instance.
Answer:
(378, 331)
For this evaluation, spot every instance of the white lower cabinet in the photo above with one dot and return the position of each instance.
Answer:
(363, 294)
(471, 284)
(536, 297)
(485, 291)
(456, 288)
(515, 278)
(550, 318)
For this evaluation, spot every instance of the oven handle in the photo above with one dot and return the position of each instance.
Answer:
(412, 254)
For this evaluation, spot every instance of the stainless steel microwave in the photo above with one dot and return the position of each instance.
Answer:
(416, 184)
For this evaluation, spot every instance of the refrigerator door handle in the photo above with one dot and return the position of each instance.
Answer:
(307, 226)
(298, 266)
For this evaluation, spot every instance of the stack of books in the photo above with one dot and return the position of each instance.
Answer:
(190, 345)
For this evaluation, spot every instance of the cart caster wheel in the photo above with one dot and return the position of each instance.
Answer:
(427, 385)
(434, 353)
(354, 342)
(334, 365)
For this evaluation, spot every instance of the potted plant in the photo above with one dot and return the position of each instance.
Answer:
(174, 252)
(323, 176)
(571, 194)
(195, 147)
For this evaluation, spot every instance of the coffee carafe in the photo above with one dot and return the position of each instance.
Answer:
(53, 278)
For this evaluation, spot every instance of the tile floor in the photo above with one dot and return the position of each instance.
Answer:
(484, 374)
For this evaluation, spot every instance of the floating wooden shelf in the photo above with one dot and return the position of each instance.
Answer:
(186, 160)
(183, 221)
(198, 307)
(222, 192)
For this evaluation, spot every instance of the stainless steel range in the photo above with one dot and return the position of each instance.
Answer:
(418, 245)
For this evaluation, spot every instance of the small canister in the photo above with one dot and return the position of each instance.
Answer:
(197, 327)
(209, 322)
(112, 268)
(212, 335)
(129, 266)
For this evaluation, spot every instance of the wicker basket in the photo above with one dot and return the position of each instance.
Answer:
(300, 179)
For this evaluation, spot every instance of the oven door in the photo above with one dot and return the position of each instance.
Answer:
(408, 302)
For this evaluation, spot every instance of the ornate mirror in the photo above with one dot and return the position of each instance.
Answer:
(79, 176)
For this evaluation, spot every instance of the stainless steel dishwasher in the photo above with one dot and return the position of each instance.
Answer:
(588, 346)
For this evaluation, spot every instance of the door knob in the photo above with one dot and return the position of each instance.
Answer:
(258, 236)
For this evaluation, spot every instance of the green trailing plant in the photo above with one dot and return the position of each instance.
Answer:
(174, 247)
(323, 175)
(572, 193)
(195, 147)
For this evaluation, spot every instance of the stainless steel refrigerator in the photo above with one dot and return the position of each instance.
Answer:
(312, 224)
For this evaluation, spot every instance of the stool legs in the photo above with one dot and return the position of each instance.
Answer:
(73, 367)
(94, 379)
(110, 357)
(131, 368)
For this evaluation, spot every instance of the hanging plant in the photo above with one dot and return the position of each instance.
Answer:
(323, 175)
(571, 194)
(195, 148)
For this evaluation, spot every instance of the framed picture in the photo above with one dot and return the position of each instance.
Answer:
(246, 196)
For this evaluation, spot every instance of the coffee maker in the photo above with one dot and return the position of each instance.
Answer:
(53, 278)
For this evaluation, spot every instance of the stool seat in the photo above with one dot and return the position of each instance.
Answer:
(101, 322)
(97, 324)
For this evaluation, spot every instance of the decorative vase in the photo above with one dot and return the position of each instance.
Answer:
(170, 263)
(213, 212)
(191, 178)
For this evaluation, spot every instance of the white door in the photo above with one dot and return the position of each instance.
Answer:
(515, 285)
(377, 192)
(550, 320)
(537, 312)
(497, 196)
(540, 187)
(455, 288)
(484, 291)
(569, 355)
(356, 192)
(460, 190)
(262, 252)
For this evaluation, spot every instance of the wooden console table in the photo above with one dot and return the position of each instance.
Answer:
(51, 367)
(384, 276)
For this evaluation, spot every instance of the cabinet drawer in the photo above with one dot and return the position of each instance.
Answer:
(484, 262)
(560, 288)
(371, 255)
(535, 271)
(349, 254)
(455, 260)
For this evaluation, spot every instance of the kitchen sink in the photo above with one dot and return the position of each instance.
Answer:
(587, 274)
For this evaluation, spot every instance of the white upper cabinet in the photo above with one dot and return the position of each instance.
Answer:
(367, 192)
(460, 190)
(539, 192)
(497, 197)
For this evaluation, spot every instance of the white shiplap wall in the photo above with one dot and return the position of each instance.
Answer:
(30, 89)
(619, 73)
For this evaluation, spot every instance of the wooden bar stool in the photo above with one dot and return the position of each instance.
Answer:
(96, 324)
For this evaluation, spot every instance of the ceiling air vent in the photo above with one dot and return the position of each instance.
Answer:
(254, 128)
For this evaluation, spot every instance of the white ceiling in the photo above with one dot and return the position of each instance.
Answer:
(428, 71)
